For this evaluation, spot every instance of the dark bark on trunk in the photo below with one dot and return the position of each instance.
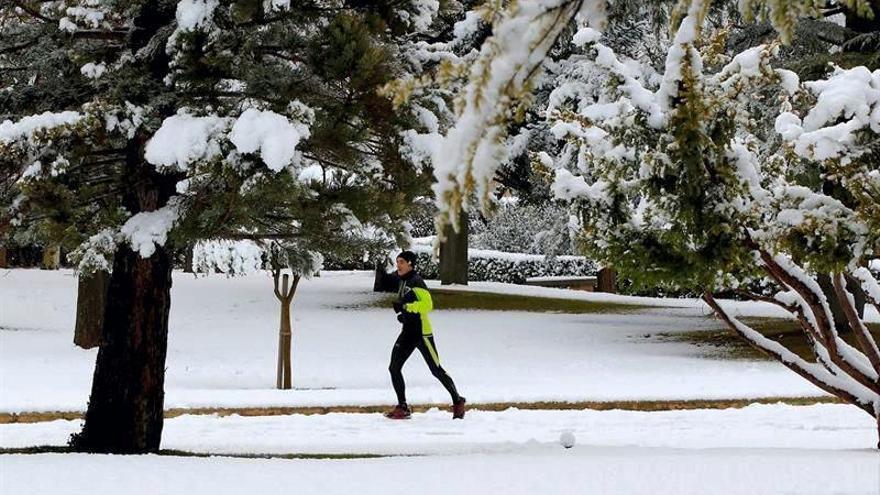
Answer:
(188, 260)
(90, 303)
(3, 258)
(840, 321)
(454, 254)
(125, 413)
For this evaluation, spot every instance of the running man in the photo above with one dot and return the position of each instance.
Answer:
(412, 307)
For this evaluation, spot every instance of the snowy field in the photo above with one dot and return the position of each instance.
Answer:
(761, 449)
(222, 353)
(776, 426)
(223, 341)
(535, 470)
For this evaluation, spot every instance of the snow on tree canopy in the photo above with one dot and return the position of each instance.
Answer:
(192, 14)
(681, 50)
(27, 126)
(847, 102)
(271, 134)
(501, 75)
(93, 70)
(239, 257)
(149, 229)
(584, 36)
(183, 139)
(425, 11)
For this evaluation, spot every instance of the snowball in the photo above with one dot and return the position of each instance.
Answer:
(566, 439)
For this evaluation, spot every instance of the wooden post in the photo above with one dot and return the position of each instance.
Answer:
(90, 303)
(284, 294)
(605, 281)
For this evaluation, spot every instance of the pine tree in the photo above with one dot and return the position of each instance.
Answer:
(136, 129)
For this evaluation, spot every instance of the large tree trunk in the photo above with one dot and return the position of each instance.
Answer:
(90, 302)
(126, 404)
(125, 413)
(454, 254)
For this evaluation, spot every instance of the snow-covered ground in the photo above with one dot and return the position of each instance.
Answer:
(534, 470)
(222, 353)
(761, 449)
(777, 426)
(223, 338)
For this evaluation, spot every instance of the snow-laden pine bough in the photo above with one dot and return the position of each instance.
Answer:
(719, 173)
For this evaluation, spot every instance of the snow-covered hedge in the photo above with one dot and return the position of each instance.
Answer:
(523, 228)
(514, 227)
(515, 268)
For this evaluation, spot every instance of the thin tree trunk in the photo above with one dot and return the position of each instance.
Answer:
(3, 260)
(454, 254)
(284, 293)
(90, 302)
(284, 381)
(125, 413)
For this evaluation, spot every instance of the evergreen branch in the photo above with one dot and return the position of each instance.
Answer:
(22, 46)
(260, 236)
(96, 34)
(33, 12)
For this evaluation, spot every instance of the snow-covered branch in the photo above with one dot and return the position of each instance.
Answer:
(852, 392)
(500, 82)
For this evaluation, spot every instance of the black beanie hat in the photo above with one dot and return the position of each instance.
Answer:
(408, 256)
